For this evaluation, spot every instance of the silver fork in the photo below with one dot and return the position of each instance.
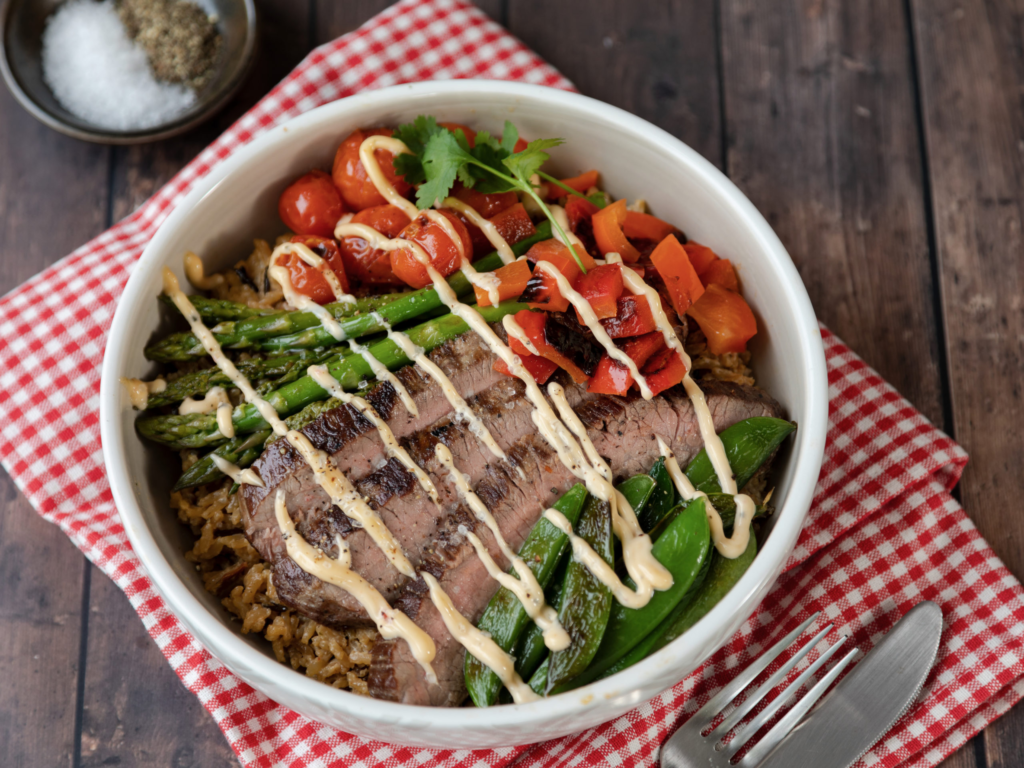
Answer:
(691, 746)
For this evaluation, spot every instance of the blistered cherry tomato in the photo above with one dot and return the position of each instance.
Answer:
(311, 205)
(351, 178)
(445, 255)
(309, 280)
(367, 264)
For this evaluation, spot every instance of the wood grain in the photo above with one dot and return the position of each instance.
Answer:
(972, 77)
(44, 176)
(819, 99)
(658, 61)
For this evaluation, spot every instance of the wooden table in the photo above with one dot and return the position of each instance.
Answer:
(884, 142)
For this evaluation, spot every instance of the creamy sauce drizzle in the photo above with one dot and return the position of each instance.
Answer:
(139, 390)
(381, 373)
(490, 231)
(214, 400)
(301, 301)
(241, 476)
(526, 587)
(479, 644)
(390, 623)
(196, 274)
(322, 376)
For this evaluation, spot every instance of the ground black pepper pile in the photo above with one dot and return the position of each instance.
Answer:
(179, 37)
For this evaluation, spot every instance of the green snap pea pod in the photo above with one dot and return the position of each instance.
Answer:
(748, 445)
(200, 430)
(530, 651)
(586, 601)
(684, 549)
(539, 680)
(256, 332)
(505, 617)
(663, 497)
(723, 503)
(723, 574)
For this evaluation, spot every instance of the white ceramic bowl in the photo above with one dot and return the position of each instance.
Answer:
(238, 201)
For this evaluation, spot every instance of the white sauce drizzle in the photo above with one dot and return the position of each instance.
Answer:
(241, 476)
(479, 644)
(390, 622)
(322, 376)
(526, 587)
(139, 390)
(490, 231)
(515, 331)
(210, 402)
(342, 493)
(196, 274)
(301, 301)
(381, 373)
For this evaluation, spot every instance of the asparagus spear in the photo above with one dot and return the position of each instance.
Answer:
(219, 309)
(257, 331)
(280, 370)
(200, 430)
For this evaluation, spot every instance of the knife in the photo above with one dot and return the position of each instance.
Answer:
(869, 700)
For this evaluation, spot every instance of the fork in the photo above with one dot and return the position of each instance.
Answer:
(694, 745)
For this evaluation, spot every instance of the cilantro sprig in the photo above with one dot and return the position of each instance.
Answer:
(438, 157)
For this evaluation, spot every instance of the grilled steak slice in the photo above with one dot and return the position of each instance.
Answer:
(404, 507)
(353, 441)
(623, 430)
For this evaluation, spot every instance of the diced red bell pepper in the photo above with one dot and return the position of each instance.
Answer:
(643, 226)
(723, 273)
(701, 257)
(578, 210)
(634, 318)
(542, 290)
(725, 318)
(533, 324)
(485, 204)
(612, 377)
(513, 279)
(514, 224)
(608, 232)
(602, 287)
(656, 361)
(681, 280)
(539, 367)
(669, 375)
(580, 183)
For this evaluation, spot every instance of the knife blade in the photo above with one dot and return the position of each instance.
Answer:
(869, 700)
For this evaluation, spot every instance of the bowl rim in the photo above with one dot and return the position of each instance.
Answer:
(187, 121)
(227, 645)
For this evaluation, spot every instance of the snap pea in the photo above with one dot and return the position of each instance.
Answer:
(586, 601)
(684, 549)
(723, 503)
(530, 651)
(663, 497)
(723, 574)
(505, 617)
(748, 445)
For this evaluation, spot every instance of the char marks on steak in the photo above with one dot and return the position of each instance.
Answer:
(624, 432)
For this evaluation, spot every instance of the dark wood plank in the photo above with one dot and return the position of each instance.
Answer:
(972, 77)
(658, 61)
(822, 137)
(137, 711)
(53, 197)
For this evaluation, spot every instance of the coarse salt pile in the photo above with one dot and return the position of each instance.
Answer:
(97, 73)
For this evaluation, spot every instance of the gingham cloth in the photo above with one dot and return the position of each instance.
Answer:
(883, 533)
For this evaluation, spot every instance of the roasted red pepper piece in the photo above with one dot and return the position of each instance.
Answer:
(608, 232)
(542, 290)
(578, 210)
(602, 287)
(701, 257)
(725, 318)
(580, 183)
(634, 318)
(513, 224)
(668, 375)
(643, 226)
(613, 378)
(539, 367)
(723, 273)
(513, 277)
(533, 324)
(681, 280)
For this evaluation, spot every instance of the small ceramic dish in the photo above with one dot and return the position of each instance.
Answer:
(238, 201)
(21, 32)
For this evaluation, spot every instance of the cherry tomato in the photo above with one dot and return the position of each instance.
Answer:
(350, 176)
(445, 255)
(309, 280)
(311, 205)
(373, 265)
(468, 132)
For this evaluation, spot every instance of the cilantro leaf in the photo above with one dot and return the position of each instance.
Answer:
(444, 160)
(415, 136)
(526, 163)
(509, 137)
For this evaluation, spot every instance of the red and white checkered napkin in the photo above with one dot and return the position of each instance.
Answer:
(883, 533)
